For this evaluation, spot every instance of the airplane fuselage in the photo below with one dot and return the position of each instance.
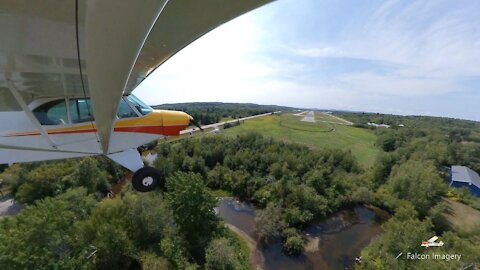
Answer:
(80, 139)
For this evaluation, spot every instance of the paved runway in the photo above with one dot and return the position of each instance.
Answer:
(309, 117)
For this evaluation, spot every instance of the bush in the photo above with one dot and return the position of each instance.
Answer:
(221, 255)
(294, 245)
(269, 222)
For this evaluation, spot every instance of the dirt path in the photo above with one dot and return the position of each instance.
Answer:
(256, 258)
(312, 244)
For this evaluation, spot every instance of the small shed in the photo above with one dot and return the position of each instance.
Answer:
(461, 176)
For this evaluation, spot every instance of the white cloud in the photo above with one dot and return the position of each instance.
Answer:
(218, 66)
(369, 82)
(317, 52)
(426, 48)
(431, 52)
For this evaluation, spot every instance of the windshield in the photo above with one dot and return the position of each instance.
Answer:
(141, 107)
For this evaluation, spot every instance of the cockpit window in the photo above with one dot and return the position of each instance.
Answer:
(141, 107)
(125, 111)
(80, 110)
(55, 112)
(52, 113)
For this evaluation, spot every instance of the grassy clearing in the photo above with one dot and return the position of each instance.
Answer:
(461, 217)
(219, 193)
(306, 126)
(359, 141)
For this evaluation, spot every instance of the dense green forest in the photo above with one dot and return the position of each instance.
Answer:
(72, 227)
(409, 178)
(213, 112)
(458, 139)
(292, 185)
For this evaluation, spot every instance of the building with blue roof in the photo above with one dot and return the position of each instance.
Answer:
(461, 176)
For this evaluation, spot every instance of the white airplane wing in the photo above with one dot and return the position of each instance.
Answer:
(433, 239)
(167, 29)
(100, 49)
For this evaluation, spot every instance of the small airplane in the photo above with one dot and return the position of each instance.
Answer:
(68, 69)
(432, 242)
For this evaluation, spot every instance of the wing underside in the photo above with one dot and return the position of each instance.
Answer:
(100, 49)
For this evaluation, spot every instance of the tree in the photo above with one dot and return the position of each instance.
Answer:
(387, 142)
(269, 222)
(53, 178)
(294, 243)
(173, 248)
(402, 233)
(42, 235)
(119, 228)
(418, 182)
(89, 175)
(383, 167)
(151, 261)
(164, 165)
(106, 230)
(221, 255)
(45, 180)
(362, 195)
(192, 205)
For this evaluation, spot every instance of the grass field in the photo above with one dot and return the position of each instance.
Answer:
(461, 217)
(306, 126)
(288, 127)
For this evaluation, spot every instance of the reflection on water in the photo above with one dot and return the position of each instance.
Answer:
(239, 214)
(332, 244)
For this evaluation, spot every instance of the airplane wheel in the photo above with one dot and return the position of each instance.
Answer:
(146, 179)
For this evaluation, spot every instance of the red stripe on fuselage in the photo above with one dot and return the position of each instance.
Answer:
(159, 130)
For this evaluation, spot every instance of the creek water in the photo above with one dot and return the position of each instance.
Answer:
(332, 243)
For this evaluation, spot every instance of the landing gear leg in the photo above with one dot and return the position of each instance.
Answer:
(144, 178)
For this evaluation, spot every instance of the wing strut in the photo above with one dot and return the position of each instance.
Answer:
(29, 113)
(115, 34)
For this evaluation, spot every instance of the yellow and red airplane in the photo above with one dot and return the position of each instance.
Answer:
(68, 68)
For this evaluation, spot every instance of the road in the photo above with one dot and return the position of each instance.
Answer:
(191, 130)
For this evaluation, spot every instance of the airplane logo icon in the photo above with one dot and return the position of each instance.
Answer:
(432, 242)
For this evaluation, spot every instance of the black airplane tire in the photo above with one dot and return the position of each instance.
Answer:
(146, 179)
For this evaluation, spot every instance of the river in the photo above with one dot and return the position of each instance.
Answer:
(331, 244)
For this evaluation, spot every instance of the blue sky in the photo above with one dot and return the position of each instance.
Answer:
(401, 57)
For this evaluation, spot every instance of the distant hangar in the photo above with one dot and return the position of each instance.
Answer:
(461, 176)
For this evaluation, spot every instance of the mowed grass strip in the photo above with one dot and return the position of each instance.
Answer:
(359, 141)
(461, 217)
(306, 126)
